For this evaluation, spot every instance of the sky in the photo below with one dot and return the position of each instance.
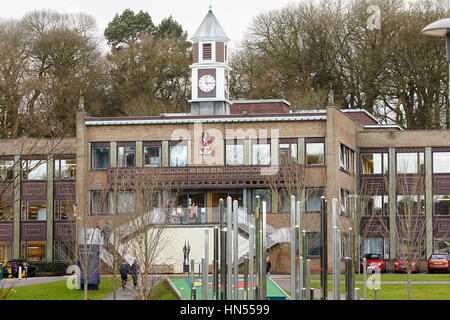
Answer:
(234, 15)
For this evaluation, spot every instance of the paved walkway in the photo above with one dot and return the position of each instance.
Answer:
(129, 293)
(14, 282)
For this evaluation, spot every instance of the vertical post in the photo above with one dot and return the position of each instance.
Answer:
(297, 286)
(235, 248)
(204, 279)
(246, 279)
(251, 255)
(337, 283)
(357, 295)
(182, 293)
(300, 278)
(193, 294)
(333, 248)
(365, 277)
(230, 249)
(223, 249)
(323, 249)
(293, 291)
(192, 276)
(216, 264)
(304, 256)
(375, 293)
(257, 251)
(308, 279)
(263, 252)
(351, 250)
(206, 264)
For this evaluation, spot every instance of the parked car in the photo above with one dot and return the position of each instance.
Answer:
(374, 263)
(11, 270)
(439, 262)
(402, 261)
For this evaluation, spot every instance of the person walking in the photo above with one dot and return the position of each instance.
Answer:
(268, 266)
(124, 270)
(134, 272)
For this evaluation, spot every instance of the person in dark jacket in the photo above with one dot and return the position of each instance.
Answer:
(124, 270)
(268, 266)
(134, 272)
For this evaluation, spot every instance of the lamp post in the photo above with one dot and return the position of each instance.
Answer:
(441, 28)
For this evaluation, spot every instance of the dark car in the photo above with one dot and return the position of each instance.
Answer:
(439, 262)
(374, 263)
(11, 270)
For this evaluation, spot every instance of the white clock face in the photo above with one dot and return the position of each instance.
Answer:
(207, 83)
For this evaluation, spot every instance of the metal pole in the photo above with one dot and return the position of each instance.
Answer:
(296, 294)
(300, 276)
(308, 279)
(293, 291)
(235, 248)
(375, 293)
(323, 249)
(193, 294)
(216, 265)
(304, 256)
(223, 249)
(263, 252)
(257, 251)
(357, 296)
(251, 255)
(333, 247)
(192, 276)
(204, 279)
(246, 278)
(230, 249)
(182, 293)
(206, 263)
(352, 258)
(337, 283)
(365, 277)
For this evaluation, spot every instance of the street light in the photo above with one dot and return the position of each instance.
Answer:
(441, 28)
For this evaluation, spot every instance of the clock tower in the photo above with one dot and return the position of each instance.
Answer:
(210, 69)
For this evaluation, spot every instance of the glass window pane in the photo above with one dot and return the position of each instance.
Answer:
(36, 170)
(125, 202)
(68, 168)
(120, 156)
(294, 153)
(152, 156)
(313, 244)
(36, 211)
(385, 163)
(36, 250)
(284, 157)
(234, 154)
(6, 211)
(264, 195)
(315, 153)
(441, 162)
(100, 157)
(178, 156)
(313, 196)
(100, 201)
(421, 162)
(5, 250)
(407, 162)
(371, 163)
(6, 169)
(261, 154)
(441, 205)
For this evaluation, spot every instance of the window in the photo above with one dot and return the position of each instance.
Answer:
(313, 196)
(284, 196)
(178, 155)
(344, 200)
(5, 250)
(100, 202)
(261, 154)
(264, 195)
(6, 169)
(288, 153)
(441, 205)
(126, 156)
(234, 153)
(152, 156)
(312, 244)
(100, 157)
(410, 205)
(375, 205)
(315, 153)
(374, 163)
(65, 169)
(441, 162)
(410, 162)
(33, 250)
(207, 53)
(126, 202)
(373, 246)
(442, 245)
(63, 210)
(34, 210)
(34, 169)
(63, 251)
(6, 212)
(347, 159)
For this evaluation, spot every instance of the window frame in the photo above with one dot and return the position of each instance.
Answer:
(235, 143)
(97, 145)
(152, 144)
(313, 141)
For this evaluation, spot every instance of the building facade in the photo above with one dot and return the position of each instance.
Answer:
(242, 149)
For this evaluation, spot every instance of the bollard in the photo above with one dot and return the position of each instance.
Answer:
(20, 273)
(193, 294)
(357, 296)
(293, 243)
(312, 294)
(375, 294)
(303, 297)
(263, 252)
(235, 248)
(323, 249)
(204, 279)
(182, 293)
(251, 255)
(308, 279)
(245, 279)
(365, 277)
(300, 280)
(257, 250)
(216, 264)
(230, 249)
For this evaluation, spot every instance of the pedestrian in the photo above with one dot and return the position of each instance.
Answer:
(134, 272)
(124, 270)
(268, 266)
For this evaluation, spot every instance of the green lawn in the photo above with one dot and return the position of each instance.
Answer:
(58, 291)
(162, 291)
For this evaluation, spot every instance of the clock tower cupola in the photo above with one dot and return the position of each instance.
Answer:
(210, 69)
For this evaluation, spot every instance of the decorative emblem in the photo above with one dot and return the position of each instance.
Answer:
(206, 144)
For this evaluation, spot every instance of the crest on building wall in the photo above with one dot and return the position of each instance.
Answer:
(206, 144)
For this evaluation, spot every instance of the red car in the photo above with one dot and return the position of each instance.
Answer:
(401, 263)
(438, 262)
(374, 263)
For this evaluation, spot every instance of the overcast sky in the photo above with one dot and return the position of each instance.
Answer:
(234, 15)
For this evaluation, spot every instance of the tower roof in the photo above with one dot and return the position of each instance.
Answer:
(210, 29)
